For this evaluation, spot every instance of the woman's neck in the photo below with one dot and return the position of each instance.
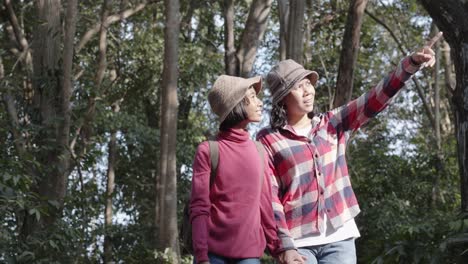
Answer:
(299, 121)
(242, 125)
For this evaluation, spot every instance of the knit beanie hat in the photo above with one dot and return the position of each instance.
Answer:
(228, 91)
(283, 76)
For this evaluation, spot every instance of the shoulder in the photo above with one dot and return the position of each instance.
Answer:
(266, 132)
(203, 148)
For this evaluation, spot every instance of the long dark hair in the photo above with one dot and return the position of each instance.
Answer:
(237, 115)
(278, 117)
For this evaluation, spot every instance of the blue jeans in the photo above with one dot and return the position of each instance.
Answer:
(341, 252)
(216, 259)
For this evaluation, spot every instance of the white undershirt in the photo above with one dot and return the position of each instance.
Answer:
(347, 230)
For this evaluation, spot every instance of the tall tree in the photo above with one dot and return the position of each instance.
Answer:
(51, 67)
(451, 18)
(295, 33)
(251, 36)
(349, 52)
(230, 60)
(108, 212)
(283, 10)
(167, 235)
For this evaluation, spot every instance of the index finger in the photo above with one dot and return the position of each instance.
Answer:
(432, 41)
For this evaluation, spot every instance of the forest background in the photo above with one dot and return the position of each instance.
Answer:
(104, 103)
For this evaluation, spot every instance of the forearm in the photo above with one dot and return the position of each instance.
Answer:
(200, 238)
(357, 112)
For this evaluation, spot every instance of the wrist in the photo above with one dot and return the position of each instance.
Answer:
(413, 61)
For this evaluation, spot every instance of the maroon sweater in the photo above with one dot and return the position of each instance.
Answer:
(235, 218)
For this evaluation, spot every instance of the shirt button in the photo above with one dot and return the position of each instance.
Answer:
(316, 156)
(321, 192)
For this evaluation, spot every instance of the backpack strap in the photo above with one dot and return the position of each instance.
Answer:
(262, 159)
(214, 158)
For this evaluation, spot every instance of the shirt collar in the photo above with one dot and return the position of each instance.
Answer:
(236, 135)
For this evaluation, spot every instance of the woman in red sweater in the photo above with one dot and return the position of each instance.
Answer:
(232, 219)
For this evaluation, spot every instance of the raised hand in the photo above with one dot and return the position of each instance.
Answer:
(426, 55)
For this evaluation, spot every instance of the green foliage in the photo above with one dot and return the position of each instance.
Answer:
(392, 160)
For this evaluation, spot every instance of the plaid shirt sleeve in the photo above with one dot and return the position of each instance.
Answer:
(285, 238)
(354, 114)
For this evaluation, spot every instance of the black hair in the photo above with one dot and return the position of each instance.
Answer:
(279, 117)
(237, 115)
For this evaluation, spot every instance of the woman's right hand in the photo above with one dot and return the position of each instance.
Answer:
(291, 257)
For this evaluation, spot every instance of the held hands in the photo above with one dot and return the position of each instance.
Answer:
(426, 55)
(291, 256)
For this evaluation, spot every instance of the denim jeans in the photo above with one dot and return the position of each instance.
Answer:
(215, 259)
(341, 252)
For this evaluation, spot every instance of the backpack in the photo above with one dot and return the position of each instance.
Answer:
(186, 229)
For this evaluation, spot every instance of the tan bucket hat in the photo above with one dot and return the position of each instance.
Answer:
(283, 76)
(228, 91)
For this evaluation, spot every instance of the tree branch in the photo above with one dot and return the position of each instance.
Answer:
(110, 20)
(13, 19)
(449, 81)
(426, 106)
(16, 36)
(404, 51)
(102, 65)
(326, 19)
(230, 59)
(12, 114)
(252, 35)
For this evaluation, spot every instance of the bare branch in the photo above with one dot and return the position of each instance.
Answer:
(13, 19)
(426, 106)
(102, 65)
(110, 20)
(102, 61)
(15, 33)
(403, 49)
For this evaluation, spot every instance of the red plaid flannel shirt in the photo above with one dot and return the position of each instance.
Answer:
(310, 173)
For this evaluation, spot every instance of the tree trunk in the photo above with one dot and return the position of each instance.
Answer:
(168, 234)
(111, 164)
(349, 52)
(440, 168)
(102, 59)
(450, 18)
(51, 102)
(230, 59)
(253, 34)
(283, 9)
(295, 34)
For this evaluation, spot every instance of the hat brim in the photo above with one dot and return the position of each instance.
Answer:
(311, 75)
(256, 82)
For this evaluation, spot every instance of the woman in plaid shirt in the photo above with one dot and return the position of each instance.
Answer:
(313, 201)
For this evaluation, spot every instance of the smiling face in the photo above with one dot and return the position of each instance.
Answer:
(300, 100)
(254, 106)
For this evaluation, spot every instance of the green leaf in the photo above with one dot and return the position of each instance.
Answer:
(53, 244)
